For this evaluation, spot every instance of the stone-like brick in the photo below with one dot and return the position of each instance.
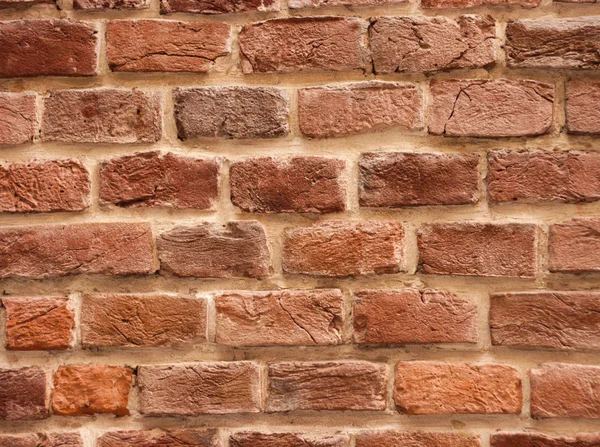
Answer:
(217, 6)
(427, 44)
(583, 107)
(540, 440)
(164, 45)
(574, 246)
(151, 179)
(287, 317)
(51, 439)
(457, 388)
(391, 438)
(295, 185)
(199, 388)
(169, 438)
(299, 4)
(99, 5)
(475, 3)
(21, 4)
(335, 111)
(23, 394)
(18, 122)
(491, 108)
(257, 439)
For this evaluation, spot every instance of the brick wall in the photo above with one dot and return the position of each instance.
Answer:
(322, 223)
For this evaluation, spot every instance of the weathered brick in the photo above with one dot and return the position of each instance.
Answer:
(350, 385)
(491, 108)
(427, 44)
(298, 4)
(38, 323)
(287, 317)
(323, 249)
(412, 316)
(335, 111)
(164, 45)
(583, 107)
(48, 47)
(102, 116)
(540, 440)
(478, 249)
(45, 251)
(303, 44)
(18, 122)
(22, 4)
(217, 6)
(561, 390)
(110, 4)
(152, 179)
(23, 394)
(560, 320)
(475, 3)
(231, 112)
(141, 320)
(536, 176)
(51, 439)
(199, 388)
(164, 438)
(457, 388)
(44, 186)
(257, 439)
(574, 246)
(295, 185)
(210, 250)
(391, 438)
(553, 43)
(394, 179)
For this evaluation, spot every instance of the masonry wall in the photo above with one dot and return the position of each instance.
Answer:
(326, 223)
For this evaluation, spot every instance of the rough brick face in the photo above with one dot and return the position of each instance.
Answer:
(23, 394)
(475, 3)
(583, 107)
(208, 250)
(336, 111)
(326, 386)
(38, 323)
(303, 44)
(90, 248)
(102, 116)
(560, 390)
(427, 44)
(573, 246)
(231, 112)
(42, 440)
(299, 4)
(160, 45)
(411, 316)
(48, 48)
(417, 439)
(296, 185)
(99, 5)
(395, 179)
(312, 317)
(255, 439)
(457, 388)
(478, 249)
(490, 108)
(540, 440)
(322, 250)
(217, 6)
(18, 122)
(200, 388)
(152, 179)
(139, 321)
(168, 438)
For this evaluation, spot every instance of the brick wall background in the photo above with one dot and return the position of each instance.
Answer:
(326, 223)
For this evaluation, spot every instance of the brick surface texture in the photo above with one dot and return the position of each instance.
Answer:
(299, 223)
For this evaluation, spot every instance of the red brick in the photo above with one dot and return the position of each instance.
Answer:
(21, 4)
(287, 317)
(81, 390)
(161, 45)
(560, 320)
(199, 388)
(335, 111)
(42, 440)
(412, 316)
(574, 246)
(415, 439)
(491, 108)
(46, 251)
(39, 323)
(583, 107)
(217, 6)
(295, 185)
(475, 3)
(47, 47)
(394, 179)
(100, 5)
(152, 179)
(141, 320)
(298, 4)
(102, 116)
(167, 438)
(18, 123)
(23, 394)
(231, 112)
(560, 390)
(427, 44)
(553, 43)
(457, 388)
(44, 186)
(540, 440)
(303, 44)
(350, 385)
(210, 250)
(257, 439)
(323, 249)
(478, 249)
